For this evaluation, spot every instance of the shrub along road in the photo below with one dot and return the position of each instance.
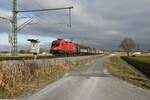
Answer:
(90, 82)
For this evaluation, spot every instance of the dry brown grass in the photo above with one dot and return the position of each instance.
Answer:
(17, 79)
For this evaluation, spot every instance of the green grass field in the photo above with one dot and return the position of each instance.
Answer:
(144, 59)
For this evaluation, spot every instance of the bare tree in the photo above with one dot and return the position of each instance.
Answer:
(128, 44)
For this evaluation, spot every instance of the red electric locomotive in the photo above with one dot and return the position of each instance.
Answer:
(63, 47)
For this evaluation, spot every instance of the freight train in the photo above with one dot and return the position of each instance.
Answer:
(63, 47)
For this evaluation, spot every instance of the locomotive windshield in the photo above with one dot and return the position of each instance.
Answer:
(54, 44)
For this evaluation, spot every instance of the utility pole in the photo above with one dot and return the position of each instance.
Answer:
(15, 27)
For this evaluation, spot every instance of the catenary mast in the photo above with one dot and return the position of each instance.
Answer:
(13, 37)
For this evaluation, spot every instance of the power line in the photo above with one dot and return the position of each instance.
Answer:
(41, 10)
(68, 24)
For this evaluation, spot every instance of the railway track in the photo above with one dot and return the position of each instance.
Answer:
(25, 58)
(32, 57)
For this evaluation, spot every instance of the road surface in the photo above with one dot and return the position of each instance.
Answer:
(90, 82)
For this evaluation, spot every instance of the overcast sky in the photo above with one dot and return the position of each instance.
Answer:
(97, 23)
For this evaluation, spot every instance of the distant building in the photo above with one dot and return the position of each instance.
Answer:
(137, 53)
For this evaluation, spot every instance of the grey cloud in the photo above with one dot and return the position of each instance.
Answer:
(101, 23)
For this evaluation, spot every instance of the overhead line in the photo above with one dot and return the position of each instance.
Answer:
(38, 10)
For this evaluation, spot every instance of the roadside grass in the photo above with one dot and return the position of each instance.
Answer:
(19, 79)
(119, 68)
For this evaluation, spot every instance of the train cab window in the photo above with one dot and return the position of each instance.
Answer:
(54, 44)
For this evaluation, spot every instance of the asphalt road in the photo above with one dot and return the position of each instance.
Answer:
(90, 82)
